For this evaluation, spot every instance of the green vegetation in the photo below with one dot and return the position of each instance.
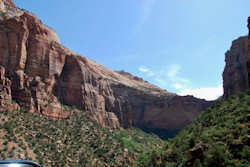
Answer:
(77, 141)
(219, 138)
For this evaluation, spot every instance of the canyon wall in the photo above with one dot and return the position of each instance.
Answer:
(235, 75)
(248, 53)
(45, 75)
(236, 72)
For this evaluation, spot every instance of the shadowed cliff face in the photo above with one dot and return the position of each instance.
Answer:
(45, 74)
(236, 72)
(6, 102)
(235, 75)
(248, 54)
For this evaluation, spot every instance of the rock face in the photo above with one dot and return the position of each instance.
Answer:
(6, 102)
(236, 72)
(9, 2)
(248, 54)
(44, 75)
(235, 75)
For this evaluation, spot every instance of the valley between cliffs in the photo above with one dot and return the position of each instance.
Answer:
(59, 108)
(40, 75)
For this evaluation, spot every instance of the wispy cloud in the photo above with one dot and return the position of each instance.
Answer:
(146, 70)
(143, 69)
(177, 81)
(171, 77)
(165, 76)
(146, 10)
(174, 70)
(210, 93)
(178, 86)
(160, 77)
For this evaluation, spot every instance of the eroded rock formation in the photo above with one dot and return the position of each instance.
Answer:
(45, 74)
(6, 102)
(237, 69)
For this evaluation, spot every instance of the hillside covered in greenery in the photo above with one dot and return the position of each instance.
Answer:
(219, 138)
(78, 141)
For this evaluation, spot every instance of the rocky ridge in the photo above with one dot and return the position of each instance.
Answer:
(44, 74)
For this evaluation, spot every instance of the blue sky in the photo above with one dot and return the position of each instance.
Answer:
(178, 45)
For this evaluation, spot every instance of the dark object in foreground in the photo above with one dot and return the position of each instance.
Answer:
(18, 163)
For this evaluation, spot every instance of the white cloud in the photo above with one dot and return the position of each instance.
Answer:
(173, 71)
(166, 76)
(211, 93)
(170, 77)
(178, 86)
(143, 69)
(173, 75)
(146, 70)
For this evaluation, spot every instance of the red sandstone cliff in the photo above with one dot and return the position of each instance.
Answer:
(45, 74)
(237, 69)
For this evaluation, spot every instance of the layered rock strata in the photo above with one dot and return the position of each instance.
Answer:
(45, 74)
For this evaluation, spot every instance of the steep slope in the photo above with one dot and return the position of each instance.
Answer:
(219, 137)
(77, 141)
(237, 69)
(235, 75)
(45, 74)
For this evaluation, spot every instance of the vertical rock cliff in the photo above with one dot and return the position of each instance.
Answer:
(236, 72)
(248, 51)
(45, 74)
(235, 75)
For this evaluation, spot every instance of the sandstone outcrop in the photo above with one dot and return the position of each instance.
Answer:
(237, 69)
(6, 102)
(45, 74)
